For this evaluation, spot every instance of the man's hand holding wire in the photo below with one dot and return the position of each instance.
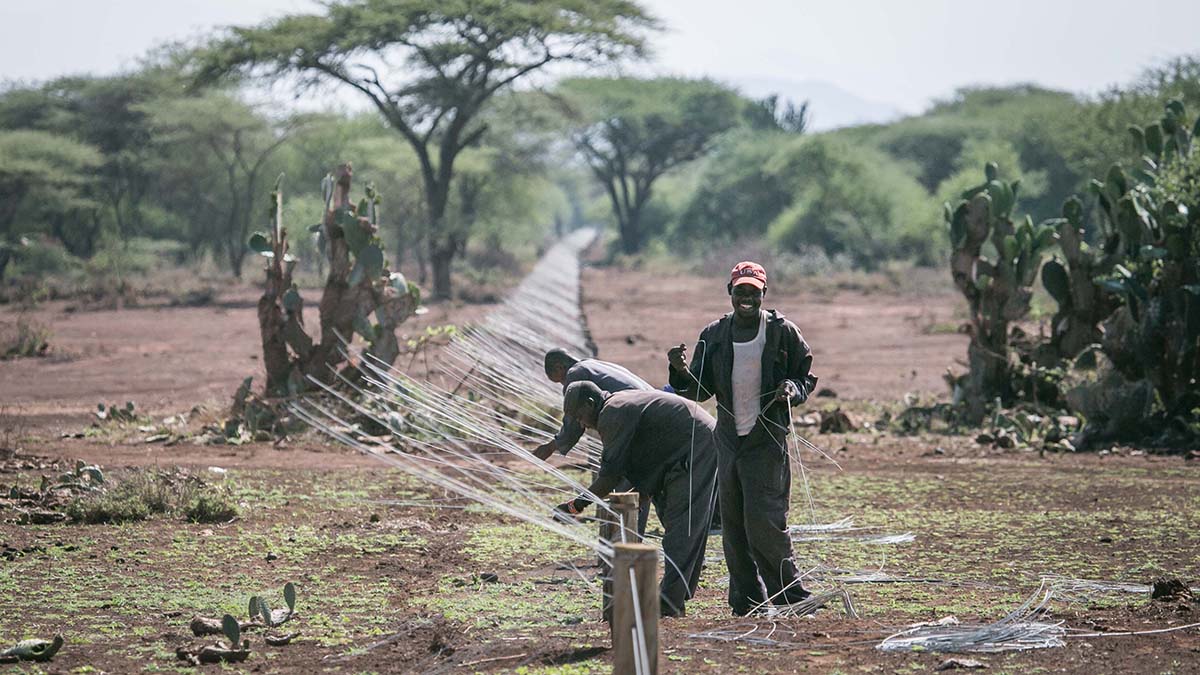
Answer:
(546, 449)
(787, 392)
(571, 510)
(677, 356)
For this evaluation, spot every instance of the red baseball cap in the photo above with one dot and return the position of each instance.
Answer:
(747, 272)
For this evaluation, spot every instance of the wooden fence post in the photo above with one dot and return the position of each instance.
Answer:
(635, 609)
(625, 504)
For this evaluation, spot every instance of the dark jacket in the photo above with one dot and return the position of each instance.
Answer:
(785, 356)
(646, 433)
(609, 377)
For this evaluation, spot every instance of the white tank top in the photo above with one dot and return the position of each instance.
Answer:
(747, 378)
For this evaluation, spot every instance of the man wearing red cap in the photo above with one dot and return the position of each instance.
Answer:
(757, 365)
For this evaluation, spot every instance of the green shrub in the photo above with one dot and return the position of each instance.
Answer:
(44, 257)
(736, 197)
(855, 201)
(143, 494)
(113, 507)
(211, 507)
(26, 338)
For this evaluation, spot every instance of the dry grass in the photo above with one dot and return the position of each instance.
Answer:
(23, 339)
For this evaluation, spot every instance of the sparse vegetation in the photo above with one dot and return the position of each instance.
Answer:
(142, 494)
(26, 338)
(128, 209)
(210, 507)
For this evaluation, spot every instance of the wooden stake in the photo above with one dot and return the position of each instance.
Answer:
(625, 504)
(635, 606)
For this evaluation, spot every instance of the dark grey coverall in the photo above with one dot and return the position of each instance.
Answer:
(611, 378)
(665, 446)
(754, 476)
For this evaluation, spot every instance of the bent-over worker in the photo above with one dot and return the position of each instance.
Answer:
(664, 446)
(562, 368)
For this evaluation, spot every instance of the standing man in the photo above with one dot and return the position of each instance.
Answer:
(664, 445)
(757, 364)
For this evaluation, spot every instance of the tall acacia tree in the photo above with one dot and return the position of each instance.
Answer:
(430, 66)
(631, 132)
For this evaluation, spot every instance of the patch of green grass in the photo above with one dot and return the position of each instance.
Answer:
(511, 606)
(518, 546)
(588, 667)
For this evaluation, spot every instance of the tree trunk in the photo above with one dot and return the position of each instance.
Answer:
(237, 257)
(422, 263)
(440, 257)
(631, 239)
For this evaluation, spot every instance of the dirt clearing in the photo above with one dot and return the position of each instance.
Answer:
(395, 576)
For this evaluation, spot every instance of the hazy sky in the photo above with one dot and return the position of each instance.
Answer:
(901, 53)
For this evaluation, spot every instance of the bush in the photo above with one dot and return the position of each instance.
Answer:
(27, 338)
(120, 506)
(211, 507)
(44, 257)
(147, 493)
(932, 143)
(854, 201)
(736, 197)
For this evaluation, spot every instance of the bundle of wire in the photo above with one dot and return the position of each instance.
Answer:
(1021, 629)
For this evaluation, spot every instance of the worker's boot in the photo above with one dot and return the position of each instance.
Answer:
(791, 595)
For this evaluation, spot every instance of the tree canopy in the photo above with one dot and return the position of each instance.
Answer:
(631, 132)
(429, 67)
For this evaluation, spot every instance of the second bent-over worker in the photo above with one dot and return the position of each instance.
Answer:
(563, 369)
(664, 446)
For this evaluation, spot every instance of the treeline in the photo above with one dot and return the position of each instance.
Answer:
(874, 193)
(115, 175)
(171, 165)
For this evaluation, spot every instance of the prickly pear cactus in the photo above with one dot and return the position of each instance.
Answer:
(361, 296)
(32, 650)
(1152, 224)
(1074, 283)
(997, 284)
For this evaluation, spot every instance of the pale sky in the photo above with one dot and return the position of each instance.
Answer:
(900, 53)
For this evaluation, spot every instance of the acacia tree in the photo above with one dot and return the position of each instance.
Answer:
(42, 177)
(455, 55)
(634, 131)
(229, 144)
(105, 113)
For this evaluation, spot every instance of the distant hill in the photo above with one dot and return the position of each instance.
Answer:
(829, 105)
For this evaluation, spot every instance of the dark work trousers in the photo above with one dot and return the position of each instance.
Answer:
(755, 486)
(680, 499)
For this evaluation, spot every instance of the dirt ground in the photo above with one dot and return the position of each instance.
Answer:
(165, 359)
(393, 575)
(866, 345)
